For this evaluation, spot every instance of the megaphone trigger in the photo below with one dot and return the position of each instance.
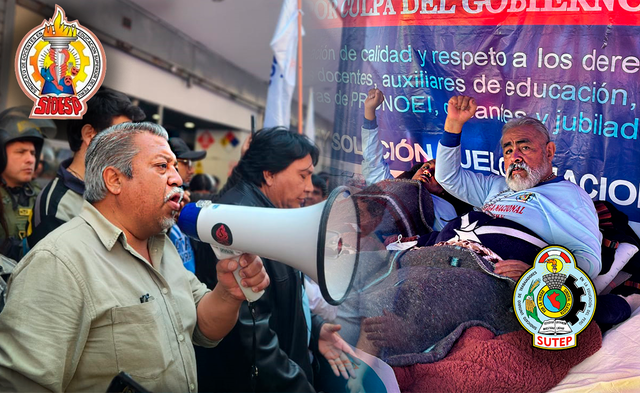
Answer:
(230, 254)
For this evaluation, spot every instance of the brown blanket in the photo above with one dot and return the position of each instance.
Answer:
(482, 362)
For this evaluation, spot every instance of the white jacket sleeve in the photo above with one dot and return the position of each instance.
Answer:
(374, 167)
(473, 188)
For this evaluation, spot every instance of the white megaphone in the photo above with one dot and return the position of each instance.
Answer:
(322, 240)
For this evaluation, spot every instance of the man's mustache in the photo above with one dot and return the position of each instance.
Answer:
(518, 165)
(173, 192)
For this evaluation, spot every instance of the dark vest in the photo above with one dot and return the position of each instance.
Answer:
(18, 218)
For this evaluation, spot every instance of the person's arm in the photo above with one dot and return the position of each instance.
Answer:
(326, 341)
(356, 384)
(44, 325)
(443, 211)
(511, 268)
(246, 144)
(336, 351)
(276, 371)
(583, 244)
(218, 309)
(573, 223)
(468, 186)
(374, 167)
(588, 262)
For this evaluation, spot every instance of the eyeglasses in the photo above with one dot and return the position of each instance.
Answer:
(188, 163)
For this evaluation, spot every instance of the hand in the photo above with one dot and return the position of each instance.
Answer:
(246, 144)
(253, 275)
(386, 330)
(186, 198)
(356, 385)
(373, 100)
(335, 350)
(461, 109)
(511, 268)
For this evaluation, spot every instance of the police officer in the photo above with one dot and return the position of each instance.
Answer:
(21, 142)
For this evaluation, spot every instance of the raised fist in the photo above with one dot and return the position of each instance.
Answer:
(373, 100)
(460, 110)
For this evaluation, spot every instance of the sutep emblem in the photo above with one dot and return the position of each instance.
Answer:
(554, 300)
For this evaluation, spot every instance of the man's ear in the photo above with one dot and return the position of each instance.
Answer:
(113, 180)
(551, 150)
(87, 132)
(268, 178)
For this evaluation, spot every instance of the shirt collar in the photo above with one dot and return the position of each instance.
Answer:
(556, 179)
(109, 233)
(68, 179)
(260, 195)
(250, 188)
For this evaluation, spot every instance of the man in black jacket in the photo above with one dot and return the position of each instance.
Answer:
(275, 172)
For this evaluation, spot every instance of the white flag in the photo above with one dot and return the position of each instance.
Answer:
(309, 125)
(283, 69)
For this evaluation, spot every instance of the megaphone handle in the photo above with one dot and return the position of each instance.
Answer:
(235, 255)
(248, 292)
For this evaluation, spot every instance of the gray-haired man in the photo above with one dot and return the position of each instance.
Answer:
(529, 194)
(106, 292)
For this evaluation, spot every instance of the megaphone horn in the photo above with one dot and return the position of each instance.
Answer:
(322, 240)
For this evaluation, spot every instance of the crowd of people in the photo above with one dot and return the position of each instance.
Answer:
(101, 279)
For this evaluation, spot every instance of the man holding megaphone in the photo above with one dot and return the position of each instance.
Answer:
(267, 350)
(107, 292)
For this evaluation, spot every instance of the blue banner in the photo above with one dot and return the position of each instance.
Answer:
(581, 80)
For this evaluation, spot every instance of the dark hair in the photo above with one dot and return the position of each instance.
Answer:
(332, 181)
(101, 109)
(273, 150)
(320, 183)
(324, 175)
(201, 182)
(409, 174)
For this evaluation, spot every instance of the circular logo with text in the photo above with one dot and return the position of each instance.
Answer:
(59, 66)
(554, 300)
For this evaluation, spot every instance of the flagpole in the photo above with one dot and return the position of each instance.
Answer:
(299, 66)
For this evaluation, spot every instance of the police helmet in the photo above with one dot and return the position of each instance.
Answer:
(15, 125)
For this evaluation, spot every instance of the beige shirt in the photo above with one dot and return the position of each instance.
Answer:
(74, 317)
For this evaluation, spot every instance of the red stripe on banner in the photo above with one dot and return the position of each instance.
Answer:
(375, 13)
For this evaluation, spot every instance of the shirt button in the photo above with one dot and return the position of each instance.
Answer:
(192, 386)
(165, 290)
(181, 337)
